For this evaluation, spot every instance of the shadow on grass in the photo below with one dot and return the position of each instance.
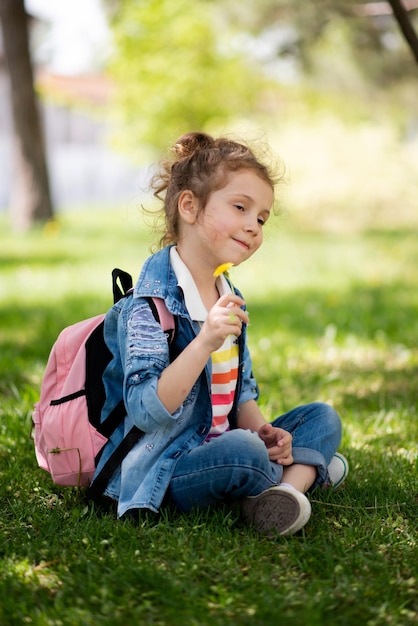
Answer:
(394, 390)
(362, 318)
(363, 312)
(355, 349)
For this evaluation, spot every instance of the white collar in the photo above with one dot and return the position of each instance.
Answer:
(194, 304)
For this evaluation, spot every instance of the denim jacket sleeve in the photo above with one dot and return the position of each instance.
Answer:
(144, 355)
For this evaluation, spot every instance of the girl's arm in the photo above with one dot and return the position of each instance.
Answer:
(249, 416)
(176, 381)
(178, 378)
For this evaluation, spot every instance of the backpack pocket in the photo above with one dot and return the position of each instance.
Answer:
(66, 444)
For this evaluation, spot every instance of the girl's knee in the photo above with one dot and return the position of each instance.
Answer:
(245, 449)
(332, 419)
(329, 423)
(254, 473)
(324, 412)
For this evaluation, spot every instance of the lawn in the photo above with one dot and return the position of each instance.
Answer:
(334, 317)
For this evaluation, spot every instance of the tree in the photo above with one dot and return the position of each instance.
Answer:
(406, 26)
(182, 64)
(31, 199)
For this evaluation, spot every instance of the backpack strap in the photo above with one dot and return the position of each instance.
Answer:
(164, 317)
(117, 414)
(125, 287)
(97, 487)
(169, 325)
(157, 305)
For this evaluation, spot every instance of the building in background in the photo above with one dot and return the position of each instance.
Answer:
(83, 167)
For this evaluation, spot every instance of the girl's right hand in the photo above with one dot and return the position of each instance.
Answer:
(225, 318)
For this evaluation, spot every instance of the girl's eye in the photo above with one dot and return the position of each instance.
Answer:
(261, 221)
(239, 207)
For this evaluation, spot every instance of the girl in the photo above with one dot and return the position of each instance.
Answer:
(205, 440)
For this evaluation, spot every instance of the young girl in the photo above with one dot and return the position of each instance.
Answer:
(205, 440)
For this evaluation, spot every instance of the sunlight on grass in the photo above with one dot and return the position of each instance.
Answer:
(33, 575)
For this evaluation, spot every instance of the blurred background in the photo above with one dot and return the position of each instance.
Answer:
(331, 85)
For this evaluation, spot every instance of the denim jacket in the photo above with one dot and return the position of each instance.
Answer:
(140, 353)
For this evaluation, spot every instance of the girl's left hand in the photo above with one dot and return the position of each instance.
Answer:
(278, 443)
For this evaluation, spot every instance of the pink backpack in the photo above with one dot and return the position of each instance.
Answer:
(67, 429)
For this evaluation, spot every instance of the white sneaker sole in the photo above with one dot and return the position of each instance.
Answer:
(338, 470)
(278, 510)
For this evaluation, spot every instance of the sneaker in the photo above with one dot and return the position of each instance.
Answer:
(280, 510)
(338, 470)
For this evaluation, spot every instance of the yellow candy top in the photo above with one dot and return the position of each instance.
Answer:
(221, 269)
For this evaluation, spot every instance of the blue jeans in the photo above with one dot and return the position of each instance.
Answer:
(236, 464)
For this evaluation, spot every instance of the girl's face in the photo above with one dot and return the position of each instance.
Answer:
(230, 227)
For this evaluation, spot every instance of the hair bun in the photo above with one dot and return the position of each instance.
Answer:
(190, 143)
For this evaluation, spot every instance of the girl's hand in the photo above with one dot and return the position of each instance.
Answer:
(278, 442)
(225, 318)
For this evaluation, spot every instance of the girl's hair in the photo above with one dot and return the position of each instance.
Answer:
(200, 164)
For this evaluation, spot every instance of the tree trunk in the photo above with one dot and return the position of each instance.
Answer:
(30, 197)
(405, 24)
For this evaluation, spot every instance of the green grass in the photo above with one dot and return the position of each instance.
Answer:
(334, 317)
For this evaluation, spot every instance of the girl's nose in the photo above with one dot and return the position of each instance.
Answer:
(252, 226)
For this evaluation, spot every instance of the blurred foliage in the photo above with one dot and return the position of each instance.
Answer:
(175, 71)
(208, 65)
(370, 32)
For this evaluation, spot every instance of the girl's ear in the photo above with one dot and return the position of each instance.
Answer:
(188, 206)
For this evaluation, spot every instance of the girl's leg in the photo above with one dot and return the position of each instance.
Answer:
(230, 467)
(236, 465)
(316, 430)
(300, 476)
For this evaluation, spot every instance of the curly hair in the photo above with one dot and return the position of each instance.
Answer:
(200, 164)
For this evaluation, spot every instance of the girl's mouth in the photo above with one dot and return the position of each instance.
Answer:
(242, 244)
